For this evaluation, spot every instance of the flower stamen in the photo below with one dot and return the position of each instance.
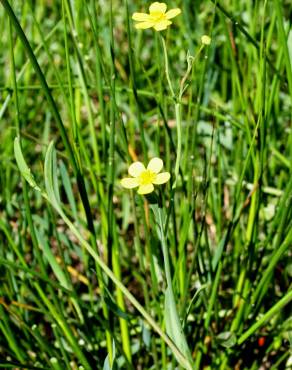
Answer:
(147, 177)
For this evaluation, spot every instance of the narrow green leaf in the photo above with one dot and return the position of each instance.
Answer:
(173, 325)
(52, 261)
(22, 165)
(68, 189)
(50, 174)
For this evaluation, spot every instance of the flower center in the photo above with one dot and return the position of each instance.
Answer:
(147, 177)
(158, 16)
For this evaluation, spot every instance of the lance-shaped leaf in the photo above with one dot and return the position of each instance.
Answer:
(51, 180)
(22, 165)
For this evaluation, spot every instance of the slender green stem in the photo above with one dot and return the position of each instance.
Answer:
(69, 78)
(179, 143)
(177, 116)
(274, 258)
(166, 66)
(267, 316)
(134, 85)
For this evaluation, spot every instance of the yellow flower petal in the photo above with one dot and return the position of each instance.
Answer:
(172, 13)
(145, 189)
(157, 7)
(130, 182)
(161, 178)
(140, 17)
(155, 165)
(162, 25)
(136, 168)
(144, 25)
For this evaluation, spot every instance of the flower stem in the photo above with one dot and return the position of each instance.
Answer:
(179, 142)
(173, 324)
(177, 115)
(167, 69)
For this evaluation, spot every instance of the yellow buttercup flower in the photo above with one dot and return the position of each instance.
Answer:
(145, 177)
(158, 17)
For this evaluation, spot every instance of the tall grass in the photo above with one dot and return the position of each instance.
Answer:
(197, 274)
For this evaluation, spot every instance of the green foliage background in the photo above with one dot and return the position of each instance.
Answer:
(78, 73)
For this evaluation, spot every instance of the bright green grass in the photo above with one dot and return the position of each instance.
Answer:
(87, 266)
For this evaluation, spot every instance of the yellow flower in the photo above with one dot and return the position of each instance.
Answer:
(145, 178)
(206, 40)
(158, 17)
